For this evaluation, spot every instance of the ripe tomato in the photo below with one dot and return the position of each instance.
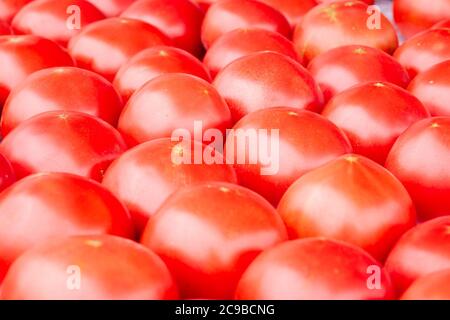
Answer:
(243, 42)
(227, 15)
(89, 268)
(145, 176)
(112, 8)
(424, 50)
(207, 242)
(9, 8)
(337, 24)
(7, 175)
(44, 206)
(152, 62)
(99, 48)
(344, 67)
(430, 287)
(293, 10)
(442, 24)
(415, 16)
(170, 102)
(61, 88)
(365, 205)
(305, 141)
(4, 28)
(63, 141)
(61, 23)
(314, 269)
(22, 55)
(419, 160)
(422, 250)
(264, 80)
(374, 115)
(432, 87)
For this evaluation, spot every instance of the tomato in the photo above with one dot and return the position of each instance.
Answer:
(424, 50)
(61, 88)
(63, 141)
(432, 87)
(293, 10)
(242, 42)
(267, 79)
(337, 24)
(9, 8)
(89, 268)
(44, 206)
(152, 62)
(227, 15)
(170, 102)
(112, 8)
(145, 176)
(22, 55)
(7, 175)
(305, 141)
(421, 251)
(374, 115)
(415, 16)
(312, 269)
(4, 28)
(180, 20)
(58, 17)
(329, 1)
(344, 67)
(419, 159)
(365, 205)
(442, 24)
(99, 48)
(430, 287)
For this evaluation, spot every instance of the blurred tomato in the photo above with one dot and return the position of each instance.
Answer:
(293, 10)
(442, 24)
(7, 175)
(9, 8)
(430, 287)
(329, 1)
(112, 8)
(5, 29)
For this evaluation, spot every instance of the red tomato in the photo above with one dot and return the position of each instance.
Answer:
(180, 20)
(432, 87)
(374, 115)
(442, 24)
(365, 205)
(145, 176)
(305, 141)
(415, 16)
(329, 1)
(62, 21)
(89, 268)
(227, 15)
(62, 88)
(422, 250)
(314, 269)
(22, 55)
(112, 8)
(7, 175)
(424, 50)
(339, 24)
(4, 28)
(264, 80)
(63, 141)
(293, 10)
(207, 242)
(419, 159)
(44, 206)
(98, 47)
(430, 287)
(204, 4)
(344, 67)
(152, 62)
(242, 42)
(170, 102)
(9, 8)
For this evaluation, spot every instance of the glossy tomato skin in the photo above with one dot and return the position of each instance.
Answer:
(432, 87)
(430, 287)
(9, 8)
(293, 10)
(374, 115)
(242, 42)
(337, 24)
(172, 102)
(227, 15)
(5, 29)
(22, 55)
(344, 67)
(153, 62)
(313, 269)
(365, 205)
(111, 268)
(100, 40)
(228, 226)
(112, 8)
(61, 88)
(305, 141)
(421, 251)
(264, 80)
(63, 141)
(7, 175)
(56, 14)
(145, 176)
(424, 50)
